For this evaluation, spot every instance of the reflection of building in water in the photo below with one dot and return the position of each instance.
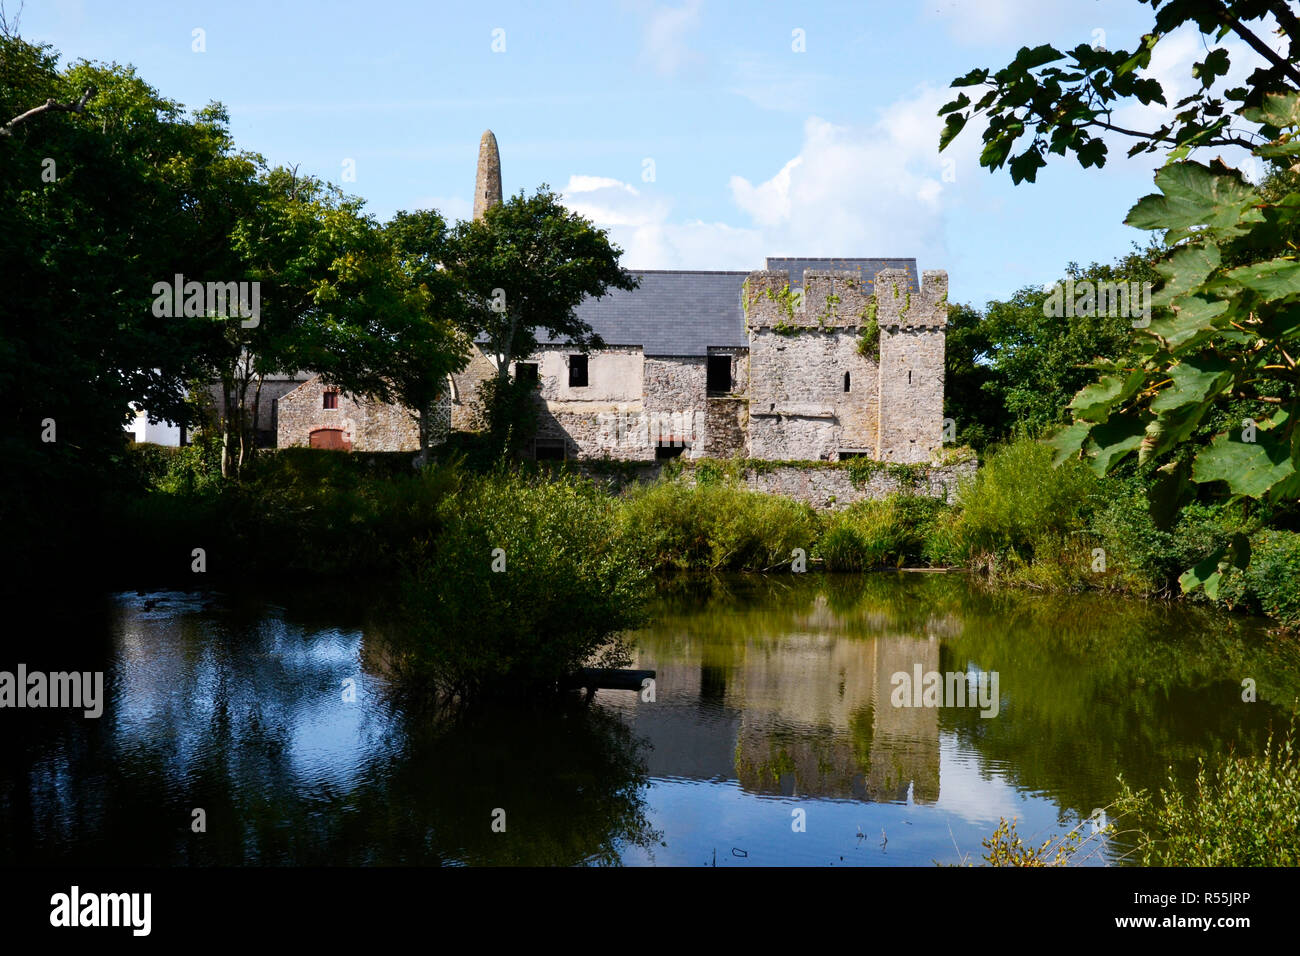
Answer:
(810, 715)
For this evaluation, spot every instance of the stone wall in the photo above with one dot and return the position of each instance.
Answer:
(913, 330)
(632, 402)
(273, 389)
(675, 402)
(726, 423)
(833, 488)
(367, 425)
(799, 355)
(464, 393)
(827, 487)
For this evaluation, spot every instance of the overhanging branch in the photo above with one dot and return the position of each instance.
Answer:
(49, 106)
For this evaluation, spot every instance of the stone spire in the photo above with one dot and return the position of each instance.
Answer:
(487, 185)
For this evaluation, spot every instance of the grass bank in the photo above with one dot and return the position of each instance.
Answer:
(1018, 521)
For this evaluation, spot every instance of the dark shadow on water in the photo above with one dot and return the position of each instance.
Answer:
(240, 709)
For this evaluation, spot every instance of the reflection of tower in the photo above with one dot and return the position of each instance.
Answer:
(713, 685)
(487, 184)
(799, 707)
(905, 741)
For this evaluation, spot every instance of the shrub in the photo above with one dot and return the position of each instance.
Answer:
(1271, 584)
(506, 409)
(317, 512)
(192, 469)
(1245, 812)
(553, 598)
(1019, 499)
(1005, 847)
(715, 526)
(842, 548)
(888, 532)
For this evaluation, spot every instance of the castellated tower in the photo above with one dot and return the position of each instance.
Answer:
(842, 370)
(913, 331)
(487, 184)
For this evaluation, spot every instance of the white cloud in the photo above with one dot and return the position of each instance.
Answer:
(768, 203)
(640, 224)
(875, 190)
(610, 202)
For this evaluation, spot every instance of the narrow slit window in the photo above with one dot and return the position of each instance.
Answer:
(846, 381)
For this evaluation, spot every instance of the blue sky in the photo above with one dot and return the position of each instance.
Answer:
(695, 131)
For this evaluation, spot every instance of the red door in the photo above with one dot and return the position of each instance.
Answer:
(330, 438)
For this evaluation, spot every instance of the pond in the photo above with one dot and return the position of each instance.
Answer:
(240, 730)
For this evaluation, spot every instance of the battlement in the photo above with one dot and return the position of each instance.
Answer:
(839, 300)
(896, 307)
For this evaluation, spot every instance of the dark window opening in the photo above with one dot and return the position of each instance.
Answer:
(719, 373)
(548, 449)
(845, 454)
(330, 400)
(846, 381)
(668, 451)
(577, 371)
(909, 376)
(525, 371)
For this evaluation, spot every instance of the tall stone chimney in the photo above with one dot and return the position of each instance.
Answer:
(487, 184)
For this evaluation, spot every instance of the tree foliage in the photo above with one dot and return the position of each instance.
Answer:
(525, 267)
(1047, 100)
(1208, 392)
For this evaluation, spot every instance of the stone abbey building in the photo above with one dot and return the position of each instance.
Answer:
(806, 359)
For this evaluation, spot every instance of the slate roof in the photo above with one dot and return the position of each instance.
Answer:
(866, 269)
(683, 313)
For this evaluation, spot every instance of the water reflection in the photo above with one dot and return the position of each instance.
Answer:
(773, 696)
(245, 713)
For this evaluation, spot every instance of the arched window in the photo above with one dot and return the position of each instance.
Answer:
(846, 381)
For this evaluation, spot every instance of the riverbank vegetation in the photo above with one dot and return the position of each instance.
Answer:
(1020, 520)
(1241, 811)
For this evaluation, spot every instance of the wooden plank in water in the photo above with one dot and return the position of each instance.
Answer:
(599, 678)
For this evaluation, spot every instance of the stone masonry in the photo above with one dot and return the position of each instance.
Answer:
(363, 425)
(841, 371)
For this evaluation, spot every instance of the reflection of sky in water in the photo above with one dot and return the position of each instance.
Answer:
(706, 800)
(183, 674)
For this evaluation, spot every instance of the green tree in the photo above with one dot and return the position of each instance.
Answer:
(102, 199)
(525, 267)
(405, 351)
(362, 305)
(1016, 365)
(970, 394)
(1227, 321)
